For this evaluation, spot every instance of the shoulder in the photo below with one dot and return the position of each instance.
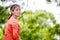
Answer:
(11, 21)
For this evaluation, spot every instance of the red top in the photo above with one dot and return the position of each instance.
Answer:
(11, 30)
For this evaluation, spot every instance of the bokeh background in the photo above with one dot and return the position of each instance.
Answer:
(39, 19)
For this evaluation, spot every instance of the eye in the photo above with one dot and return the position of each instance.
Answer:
(17, 9)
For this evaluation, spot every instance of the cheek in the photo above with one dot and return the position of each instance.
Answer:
(17, 13)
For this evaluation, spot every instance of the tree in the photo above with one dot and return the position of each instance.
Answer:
(57, 1)
(3, 14)
(34, 25)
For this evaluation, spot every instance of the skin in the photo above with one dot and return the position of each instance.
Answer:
(16, 12)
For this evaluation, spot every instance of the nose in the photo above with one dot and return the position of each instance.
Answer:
(18, 11)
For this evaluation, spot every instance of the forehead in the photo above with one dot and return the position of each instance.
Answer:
(17, 7)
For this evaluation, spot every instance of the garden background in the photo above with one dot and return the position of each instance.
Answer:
(38, 21)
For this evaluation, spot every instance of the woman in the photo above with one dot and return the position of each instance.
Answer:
(12, 26)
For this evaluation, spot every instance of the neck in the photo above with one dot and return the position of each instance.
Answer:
(14, 16)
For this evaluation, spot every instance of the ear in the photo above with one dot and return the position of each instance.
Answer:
(12, 11)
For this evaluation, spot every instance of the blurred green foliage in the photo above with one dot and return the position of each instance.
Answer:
(57, 1)
(34, 25)
(1, 34)
(2, 0)
(3, 14)
(48, 0)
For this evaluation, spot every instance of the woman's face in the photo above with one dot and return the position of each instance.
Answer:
(16, 11)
